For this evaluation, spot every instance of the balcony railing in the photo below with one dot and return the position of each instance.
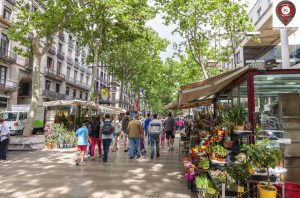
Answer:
(8, 85)
(13, 2)
(77, 64)
(61, 55)
(56, 75)
(70, 60)
(54, 95)
(77, 83)
(61, 36)
(83, 54)
(28, 64)
(52, 50)
(71, 44)
(8, 56)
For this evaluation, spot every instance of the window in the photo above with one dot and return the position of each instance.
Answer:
(96, 86)
(80, 94)
(113, 96)
(57, 88)
(48, 83)
(34, 9)
(68, 71)
(75, 74)
(74, 93)
(3, 71)
(101, 74)
(98, 72)
(25, 88)
(258, 12)
(70, 39)
(238, 57)
(81, 77)
(58, 70)
(67, 91)
(4, 44)
(6, 13)
(49, 62)
(60, 48)
(86, 95)
(87, 80)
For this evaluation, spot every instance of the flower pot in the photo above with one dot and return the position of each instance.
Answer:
(264, 192)
(221, 159)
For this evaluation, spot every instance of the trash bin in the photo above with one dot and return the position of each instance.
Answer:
(291, 189)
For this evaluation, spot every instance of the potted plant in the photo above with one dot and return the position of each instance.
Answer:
(203, 163)
(264, 154)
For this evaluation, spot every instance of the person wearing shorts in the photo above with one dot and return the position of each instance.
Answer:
(170, 127)
(82, 142)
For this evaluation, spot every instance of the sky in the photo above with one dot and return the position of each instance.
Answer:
(166, 31)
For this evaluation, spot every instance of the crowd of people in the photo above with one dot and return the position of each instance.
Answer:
(107, 131)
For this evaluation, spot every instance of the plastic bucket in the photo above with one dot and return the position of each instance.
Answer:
(291, 189)
(263, 193)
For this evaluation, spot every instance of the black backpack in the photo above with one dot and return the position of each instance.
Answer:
(107, 128)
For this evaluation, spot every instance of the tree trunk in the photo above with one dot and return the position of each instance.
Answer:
(35, 95)
(205, 72)
(94, 72)
(121, 93)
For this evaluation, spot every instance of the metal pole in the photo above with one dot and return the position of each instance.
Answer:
(251, 104)
(285, 54)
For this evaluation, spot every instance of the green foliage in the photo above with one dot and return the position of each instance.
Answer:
(235, 115)
(264, 154)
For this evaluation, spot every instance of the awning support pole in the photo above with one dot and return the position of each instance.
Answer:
(251, 105)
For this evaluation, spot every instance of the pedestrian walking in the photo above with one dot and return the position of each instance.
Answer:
(146, 126)
(4, 138)
(95, 137)
(170, 127)
(82, 141)
(125, 122)
(135, 133)
(107, 131)
(163, 138)
(180, 123)
(118, 129)
(155, 129)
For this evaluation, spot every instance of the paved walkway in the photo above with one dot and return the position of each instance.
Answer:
(53, 174)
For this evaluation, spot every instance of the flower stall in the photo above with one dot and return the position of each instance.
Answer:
(252, 116)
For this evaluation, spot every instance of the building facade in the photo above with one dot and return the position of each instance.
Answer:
(65, 74)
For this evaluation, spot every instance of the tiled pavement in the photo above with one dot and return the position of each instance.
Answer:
(53, 174)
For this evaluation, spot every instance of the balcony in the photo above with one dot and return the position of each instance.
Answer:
(12, 2)
(61, 36)
(54, 95)
(71, 44)
(70, 60)
(8, 85)
(77, 64)
(61, 55)
(55, 75)
(28, 64)
(77, 83)
(52, 50)
(8, 56)
(83, 54)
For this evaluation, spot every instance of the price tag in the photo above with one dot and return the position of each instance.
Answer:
(240, 189)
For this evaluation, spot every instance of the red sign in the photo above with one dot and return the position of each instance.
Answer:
(285, 11)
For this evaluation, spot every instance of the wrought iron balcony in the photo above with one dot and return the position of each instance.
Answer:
(8, 85)
(61, 36)
(13, 2)
(52, 50)
(61, 55)
(77, 83)
(70, 60)
(77, 64)
(8, 56)
(54, 95)
(71, 44)
(55, 75)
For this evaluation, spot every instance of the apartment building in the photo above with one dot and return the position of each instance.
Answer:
(65, 75)
(269, 47)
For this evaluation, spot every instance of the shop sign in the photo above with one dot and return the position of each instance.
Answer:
(104, 94)
(286, 13)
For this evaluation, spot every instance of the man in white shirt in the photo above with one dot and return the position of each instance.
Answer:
(154, 130)
(4, 135)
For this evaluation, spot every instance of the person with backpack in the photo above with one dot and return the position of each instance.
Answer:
(95, 137)
(107, 130)
(125, 122)
(155, 129)
(135, 130)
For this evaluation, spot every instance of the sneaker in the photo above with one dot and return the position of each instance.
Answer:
(76, 162)
(126, 150)
(151, 157)
(158, 155)
(140, 157)
(93, 158)
(131, 157)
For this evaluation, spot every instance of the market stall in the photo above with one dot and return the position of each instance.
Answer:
(253, 110)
